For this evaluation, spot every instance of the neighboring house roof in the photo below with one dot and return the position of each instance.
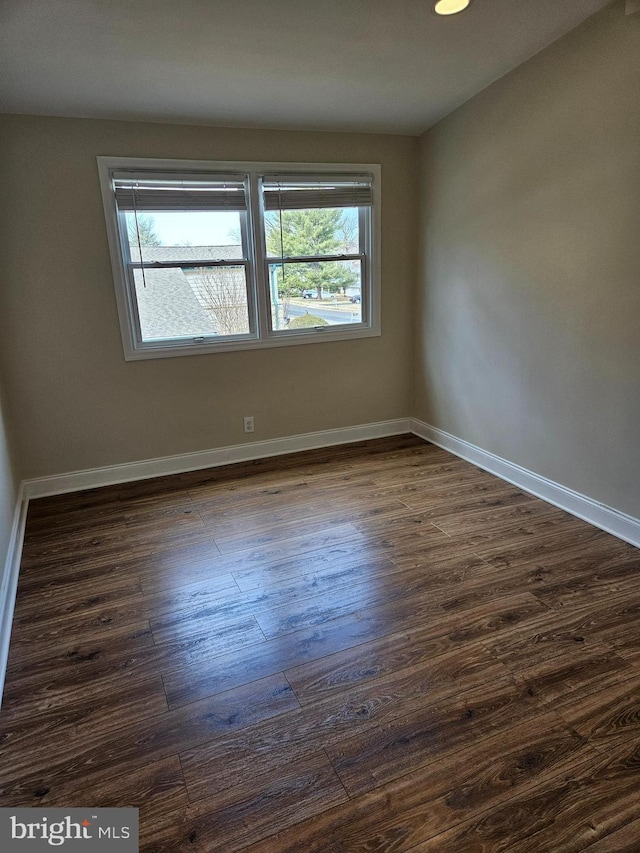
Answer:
(168, 306)
(187, 253)
(173, 304)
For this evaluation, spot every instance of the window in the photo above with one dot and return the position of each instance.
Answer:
(219, 256)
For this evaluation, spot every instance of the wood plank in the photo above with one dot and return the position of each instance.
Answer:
(234, 608)
(187, 683)
(304, 602)
(52, 680)
(569, 531)
(569, 814)
(182, 567)
(605, 717)
(598, 585)
(329, 503)
(153, 738)
(125, 705)
(27, 661)
(157, 789)
(569, 630)
(45, 604)
(574, 672)
(598, 555)
(435, 729)
(191, 598)
(347, 557)
(397, 527)
(227, 499)
(55, 506)
(46, 581)
(279, 550)
(428, 469)
(184, 684)
(247, 813)
(415, 807)
(98, 621)
(624, 840)
(267, 746)
(95, 520)
(423, 645)
(167, 568)
(194, 605)
(450, 498)
(87, 550)
(540, 548)
(285, 530)
(277, 621)
(463, 522)
(316, 464)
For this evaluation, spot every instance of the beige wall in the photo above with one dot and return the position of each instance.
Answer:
(8, 488)
(77, 404)
(528, 338)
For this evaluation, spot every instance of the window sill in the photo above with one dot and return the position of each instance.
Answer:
(149, 351)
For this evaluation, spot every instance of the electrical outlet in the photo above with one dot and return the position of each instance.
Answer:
(249, 425)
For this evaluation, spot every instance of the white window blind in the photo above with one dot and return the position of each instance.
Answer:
(179, 194)
(305, 194)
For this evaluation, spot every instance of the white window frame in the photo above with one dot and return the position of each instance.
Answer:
(259, 306)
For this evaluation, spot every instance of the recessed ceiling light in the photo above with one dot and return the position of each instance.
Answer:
(450, 7)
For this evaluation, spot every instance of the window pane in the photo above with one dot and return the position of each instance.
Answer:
(318, 293)
(324, 231)
(175, 236)
(186, 303)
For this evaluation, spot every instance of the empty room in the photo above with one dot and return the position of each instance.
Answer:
(320, 426)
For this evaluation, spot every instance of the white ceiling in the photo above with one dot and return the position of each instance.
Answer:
(365, 65)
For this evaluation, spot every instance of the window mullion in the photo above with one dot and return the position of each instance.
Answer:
(259, 248)
(135, 327)
(248, 251)
(364, 236)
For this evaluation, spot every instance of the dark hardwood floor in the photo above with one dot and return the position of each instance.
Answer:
(375, 647)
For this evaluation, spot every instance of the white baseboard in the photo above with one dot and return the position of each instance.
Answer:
(114, 474)
(9, 585)
(612, 521)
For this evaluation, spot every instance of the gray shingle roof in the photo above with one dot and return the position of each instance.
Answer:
(172, 304)
(168, 306)
(186, 253)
